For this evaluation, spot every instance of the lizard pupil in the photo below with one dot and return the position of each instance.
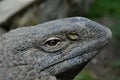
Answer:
(52, 42)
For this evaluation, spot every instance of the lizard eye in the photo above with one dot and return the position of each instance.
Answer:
(52, 41)
(54, 44)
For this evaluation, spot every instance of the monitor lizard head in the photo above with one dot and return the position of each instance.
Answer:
(56, 47)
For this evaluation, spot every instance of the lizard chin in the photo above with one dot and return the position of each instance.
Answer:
(70, 67)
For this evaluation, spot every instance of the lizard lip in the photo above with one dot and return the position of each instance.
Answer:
(68, 64)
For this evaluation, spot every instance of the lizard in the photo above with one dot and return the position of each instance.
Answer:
(59, 48)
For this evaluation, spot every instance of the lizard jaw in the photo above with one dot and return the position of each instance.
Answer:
(73, 64)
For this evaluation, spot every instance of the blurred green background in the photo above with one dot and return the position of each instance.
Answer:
(106, 65)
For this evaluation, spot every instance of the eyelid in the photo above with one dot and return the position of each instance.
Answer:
(51, 38)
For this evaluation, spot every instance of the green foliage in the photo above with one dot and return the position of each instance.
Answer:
(116, 32)
(111, 9)
(113, 64)
(105, 8)
(118, 79)
(85, 75)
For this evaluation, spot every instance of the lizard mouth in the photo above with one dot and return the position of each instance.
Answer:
(77, 62)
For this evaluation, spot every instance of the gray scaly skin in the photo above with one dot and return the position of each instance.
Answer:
(59, 48)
